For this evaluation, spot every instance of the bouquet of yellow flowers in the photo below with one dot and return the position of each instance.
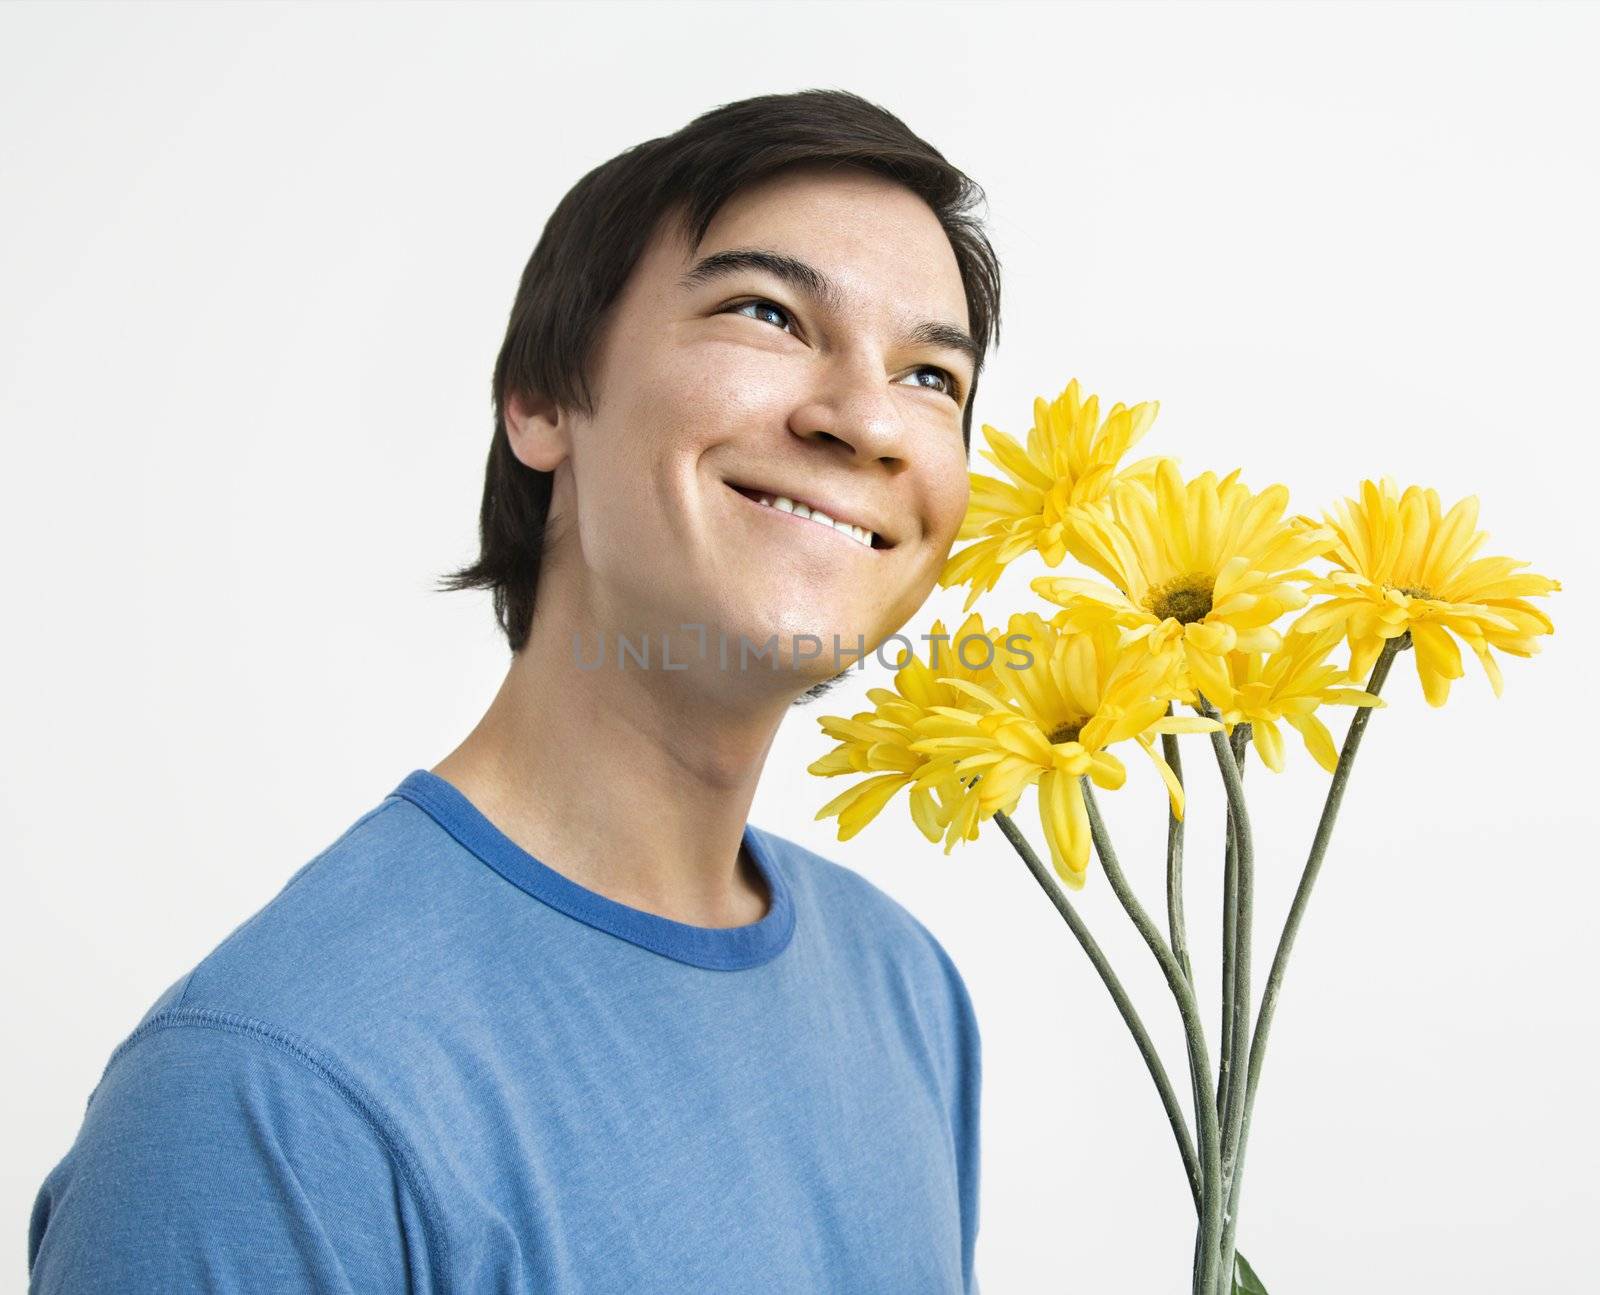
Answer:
(1194, 578)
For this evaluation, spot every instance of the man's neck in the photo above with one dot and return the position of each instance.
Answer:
(630, 783)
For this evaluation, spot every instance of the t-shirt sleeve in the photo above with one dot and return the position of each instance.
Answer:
(218, 1160)
(963, 1050)
(967, 1117)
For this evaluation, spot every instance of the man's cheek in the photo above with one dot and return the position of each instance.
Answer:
(751, 389)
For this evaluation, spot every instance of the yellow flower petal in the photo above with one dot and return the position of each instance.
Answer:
(1066, 826)
(1319, 742)
(1175, 798)
(1438, 660)
(859, 805)
(1266, 739)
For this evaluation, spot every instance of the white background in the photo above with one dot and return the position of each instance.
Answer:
(257, 262)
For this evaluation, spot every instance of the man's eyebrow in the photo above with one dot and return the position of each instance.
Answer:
(813, 283)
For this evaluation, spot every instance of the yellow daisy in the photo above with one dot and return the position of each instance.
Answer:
(1404, 567)
(1287, 684)
(1046, 714)
(1071, 461)
(879, 741)
(1199, 569)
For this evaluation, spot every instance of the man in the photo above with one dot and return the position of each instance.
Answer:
(553, 1016)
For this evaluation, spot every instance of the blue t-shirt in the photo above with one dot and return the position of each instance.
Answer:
(432, 1063)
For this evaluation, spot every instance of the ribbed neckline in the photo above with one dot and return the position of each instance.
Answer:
(730, 948)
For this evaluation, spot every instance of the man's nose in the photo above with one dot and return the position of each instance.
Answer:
(854, 406)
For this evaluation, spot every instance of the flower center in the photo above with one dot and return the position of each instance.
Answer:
(1186, 599)
(1065, 733)
(1412, 591)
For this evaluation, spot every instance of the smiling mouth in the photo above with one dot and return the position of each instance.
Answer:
(804, 512)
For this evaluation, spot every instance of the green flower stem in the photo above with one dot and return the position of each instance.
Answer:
(1199, 1083)
(1152, 1058)
(1236, 987)
(1230, 917)
(1269, 997)
(1180, 939)
(1205, 1282)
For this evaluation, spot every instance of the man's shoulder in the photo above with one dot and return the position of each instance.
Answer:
(326, 916)
(837, 887)
(359, 929)
(853, 903)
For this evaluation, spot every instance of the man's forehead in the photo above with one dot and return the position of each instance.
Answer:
(861, 226)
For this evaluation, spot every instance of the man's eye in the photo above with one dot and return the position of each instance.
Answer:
(759, 304)
(951, 388)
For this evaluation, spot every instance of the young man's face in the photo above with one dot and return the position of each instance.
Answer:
(715, 388)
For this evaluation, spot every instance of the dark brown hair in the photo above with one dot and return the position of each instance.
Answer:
(598, 231)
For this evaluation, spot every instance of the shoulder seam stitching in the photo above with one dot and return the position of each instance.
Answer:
(388, 1136)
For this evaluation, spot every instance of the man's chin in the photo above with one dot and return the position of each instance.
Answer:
(803, 652)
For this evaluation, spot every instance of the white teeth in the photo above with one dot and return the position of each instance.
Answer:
(860, 534)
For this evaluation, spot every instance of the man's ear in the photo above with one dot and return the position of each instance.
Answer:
(537, 431)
